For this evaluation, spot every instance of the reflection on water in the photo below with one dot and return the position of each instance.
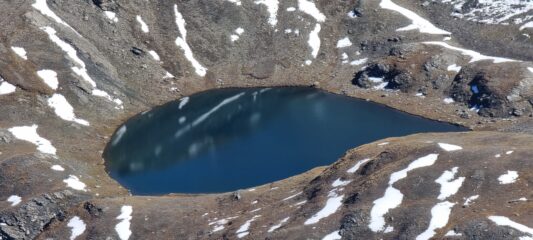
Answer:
(223, 140)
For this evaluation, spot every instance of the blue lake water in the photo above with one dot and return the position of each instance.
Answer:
(229, 139)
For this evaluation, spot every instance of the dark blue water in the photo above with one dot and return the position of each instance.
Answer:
(224, 140)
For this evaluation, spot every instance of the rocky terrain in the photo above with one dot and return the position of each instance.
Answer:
(72, 71)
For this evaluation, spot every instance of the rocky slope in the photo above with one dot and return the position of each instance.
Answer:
(72, 71)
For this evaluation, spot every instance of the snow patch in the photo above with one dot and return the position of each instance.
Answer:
(154, 55)
(236, 2)
(340, 183)
(314, 41)
(100, 93)
(449, 147)
(505, 221)
(64, 110)
(352, 14)
(291, 9)
(423, 25)
(275, 227)
(75, 183)
(333, 203)
(58, 168)
(440, 215)
(272, 8)
(448, 185)
(218, 225)
(243, 230)
(80, 69)
(470, 199)
(448, 100)
(14, 200)
(454, 68)
(239, 30)
(182, 43)
(77, 227)
(299, 203)
(292, 196)
(237, 35)
(508, 178)
(526, 25)
(123, 227)
(49, 77)
(168, 75)
(29, 134)
(111, 16)
(381, 84)
(503, 12)
(358, 62)
(21, 52)
(333, 236)
(393, 197)
(358, 165)
(6, 88)
(452, 233)
(310, 8)
(475, 56)
(144, 27)
(255, 210)
(344, 58)
(43, 8)
(345, 42)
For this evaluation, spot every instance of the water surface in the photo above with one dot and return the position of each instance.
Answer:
(229, 139)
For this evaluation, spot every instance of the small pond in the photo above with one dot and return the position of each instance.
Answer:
(229, 139)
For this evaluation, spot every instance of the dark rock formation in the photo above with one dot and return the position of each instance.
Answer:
(30, 219)
(106, 5)
(497, 90)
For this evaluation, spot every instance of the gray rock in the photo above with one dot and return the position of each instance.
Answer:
(379, 70)
(354, 224)
(464, 115)
(29, 220)
(402, 81)
(5, 137)
(137, 51)
(262, 69)
(357, 12)
(236, 195)
(483, 229)
(106, 5)
(517, 112)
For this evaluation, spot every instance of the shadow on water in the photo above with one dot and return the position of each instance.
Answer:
(227, 139)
